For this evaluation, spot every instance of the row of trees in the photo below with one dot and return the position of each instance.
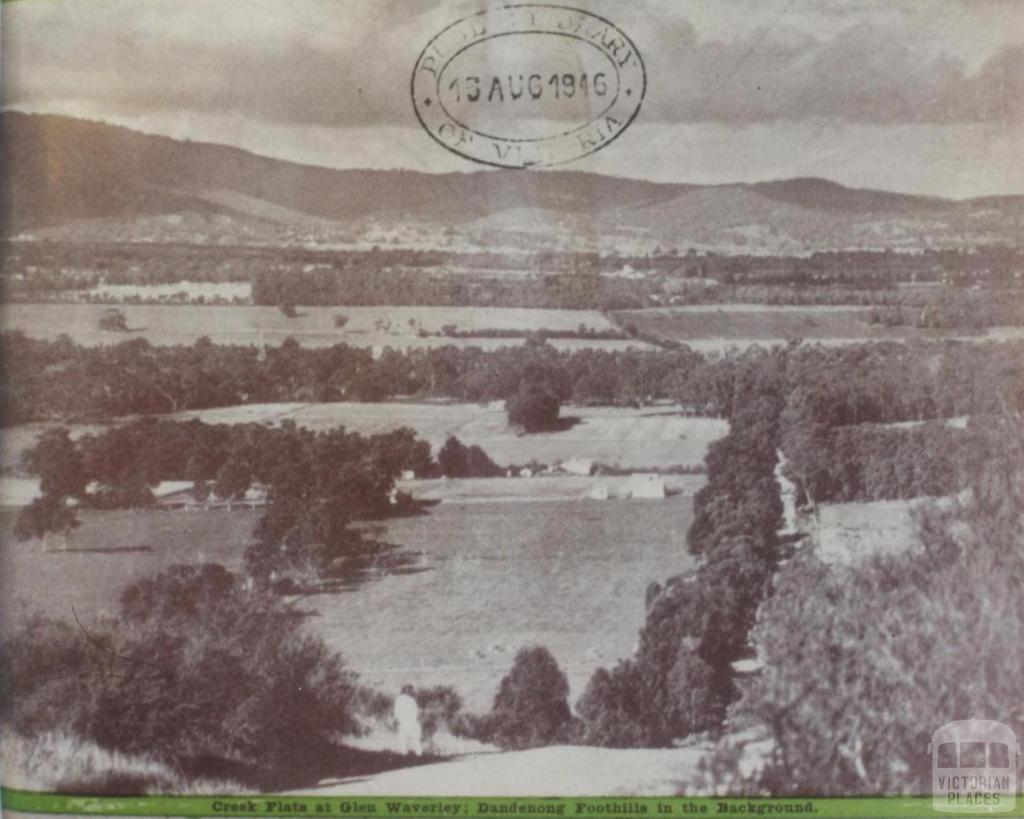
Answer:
(354, 285)
(41, 266)
(880, 382)
(137, 377)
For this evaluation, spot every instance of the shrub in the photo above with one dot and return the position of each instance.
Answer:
(531, 707)
(440, 707)
(113, 320)
(196, 668)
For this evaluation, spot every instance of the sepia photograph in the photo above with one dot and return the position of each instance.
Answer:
(463, 408)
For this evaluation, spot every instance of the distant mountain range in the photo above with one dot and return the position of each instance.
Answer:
(58, 171)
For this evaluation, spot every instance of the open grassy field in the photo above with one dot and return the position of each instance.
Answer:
(753, 321)
(87, 568)
(713, 327)
(490, 578)
(847, 533)
(631, 438)
(374, 327)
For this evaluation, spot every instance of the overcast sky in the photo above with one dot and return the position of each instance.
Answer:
(914, 95)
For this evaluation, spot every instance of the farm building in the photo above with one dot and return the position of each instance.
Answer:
(644, 485)
(578, 466)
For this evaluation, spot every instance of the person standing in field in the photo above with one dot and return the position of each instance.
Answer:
(407, 716)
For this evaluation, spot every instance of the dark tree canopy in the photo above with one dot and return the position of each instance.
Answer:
(113, 320)
(459, 461)
(531, 707)
(533, 407)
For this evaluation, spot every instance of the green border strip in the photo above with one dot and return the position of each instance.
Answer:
(383, 807)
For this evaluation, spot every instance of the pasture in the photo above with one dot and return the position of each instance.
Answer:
(373, 327)
(716, 327)
(649, 437)
(847, 533)
(740, 322)
(87, 568)
(489, 579)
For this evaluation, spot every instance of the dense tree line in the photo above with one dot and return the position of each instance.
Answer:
(946, 307)
(834, 432)
(870, 462)
(586, 280)
(391, 286)
(889, 382)
(876, 383)
(60, 379)
(59, 264)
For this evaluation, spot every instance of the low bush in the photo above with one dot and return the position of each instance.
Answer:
(197, 667)
(440, 709)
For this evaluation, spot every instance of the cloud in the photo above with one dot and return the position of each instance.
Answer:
(864, 74)
(346, 63)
